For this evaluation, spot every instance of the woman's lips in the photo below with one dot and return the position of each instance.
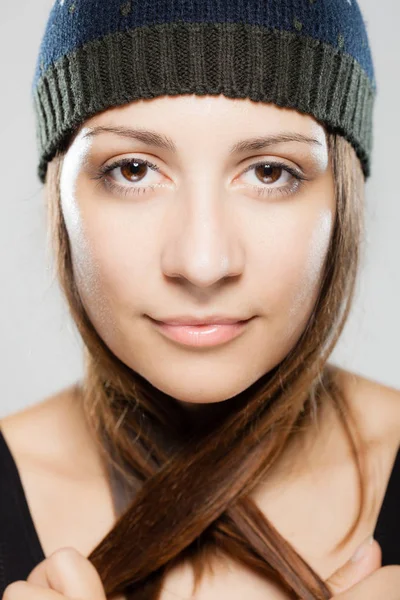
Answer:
(201, 335)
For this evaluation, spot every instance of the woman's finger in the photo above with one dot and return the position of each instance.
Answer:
(22, 590)
(68, 572)
(367, 560)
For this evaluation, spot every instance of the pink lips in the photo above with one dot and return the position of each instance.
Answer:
(202, 335)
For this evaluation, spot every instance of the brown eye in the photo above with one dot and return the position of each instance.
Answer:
(134, 171)
(121, 176)
(274, 178)
(268, 172)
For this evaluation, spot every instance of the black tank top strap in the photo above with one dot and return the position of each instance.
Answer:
(387, 530)
(20, 547)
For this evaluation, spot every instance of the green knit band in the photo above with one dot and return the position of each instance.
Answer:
(236, 60)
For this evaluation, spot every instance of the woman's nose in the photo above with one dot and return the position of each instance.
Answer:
(202, 243)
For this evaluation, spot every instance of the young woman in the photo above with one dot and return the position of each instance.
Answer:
(204, 168)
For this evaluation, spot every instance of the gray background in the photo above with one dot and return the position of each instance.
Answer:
(40, 349)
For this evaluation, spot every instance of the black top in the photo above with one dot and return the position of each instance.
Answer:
(21, 550)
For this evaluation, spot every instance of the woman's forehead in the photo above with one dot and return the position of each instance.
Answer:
(177, 120)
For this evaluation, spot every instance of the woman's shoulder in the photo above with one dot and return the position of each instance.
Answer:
(62, 476)
(375, 405)
(38, 430)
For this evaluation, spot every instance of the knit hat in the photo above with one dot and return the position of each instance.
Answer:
(309, 55)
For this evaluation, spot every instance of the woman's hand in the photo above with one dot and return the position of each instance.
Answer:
(64, 574)
(366, 578)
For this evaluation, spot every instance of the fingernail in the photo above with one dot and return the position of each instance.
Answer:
(362, 549)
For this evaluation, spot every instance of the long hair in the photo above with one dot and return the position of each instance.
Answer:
(143, 433)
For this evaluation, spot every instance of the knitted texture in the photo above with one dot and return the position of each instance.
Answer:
(309, 55)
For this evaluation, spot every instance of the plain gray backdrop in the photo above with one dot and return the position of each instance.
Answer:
(40, 349)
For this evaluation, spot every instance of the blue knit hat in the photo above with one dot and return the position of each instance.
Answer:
(310, 55)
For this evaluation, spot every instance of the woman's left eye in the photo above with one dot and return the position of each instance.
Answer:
(268, 173)
(272, 171)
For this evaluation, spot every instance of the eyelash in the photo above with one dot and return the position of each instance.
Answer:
(101, 177)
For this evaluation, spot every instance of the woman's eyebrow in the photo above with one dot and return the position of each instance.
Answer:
(152, 138)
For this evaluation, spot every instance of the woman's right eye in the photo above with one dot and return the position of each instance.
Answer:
(129, 168)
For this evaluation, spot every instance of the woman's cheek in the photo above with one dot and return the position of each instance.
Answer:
(93, 290)
(309, 269)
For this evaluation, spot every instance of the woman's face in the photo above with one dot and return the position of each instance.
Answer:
(207, 233)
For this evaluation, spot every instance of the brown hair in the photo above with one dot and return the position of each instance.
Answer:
(144, 433)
